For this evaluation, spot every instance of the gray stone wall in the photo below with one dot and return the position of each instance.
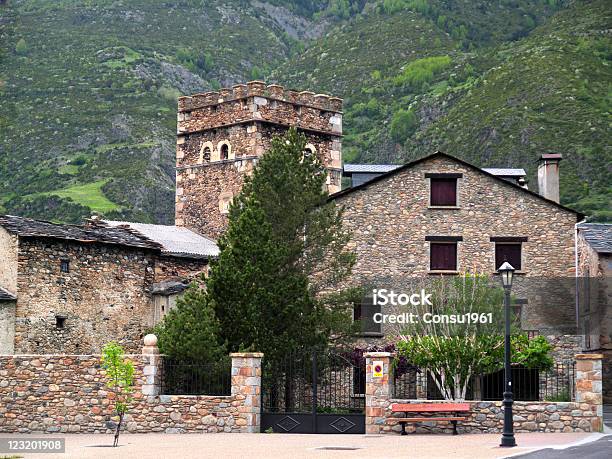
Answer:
(7, 327)
(8, 258)
(67, 393)
(103, 297)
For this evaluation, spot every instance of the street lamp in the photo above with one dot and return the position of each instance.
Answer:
(507, 272)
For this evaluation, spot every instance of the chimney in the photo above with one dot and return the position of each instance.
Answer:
(548, 176)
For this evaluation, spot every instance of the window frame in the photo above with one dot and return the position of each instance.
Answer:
(362, 332)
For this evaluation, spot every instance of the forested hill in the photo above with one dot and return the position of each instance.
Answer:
(88, 88)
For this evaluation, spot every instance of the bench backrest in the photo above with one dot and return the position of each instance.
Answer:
(429, 407)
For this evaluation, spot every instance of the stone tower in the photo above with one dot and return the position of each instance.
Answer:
(222, 134)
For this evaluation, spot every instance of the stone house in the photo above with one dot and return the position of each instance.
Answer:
(71, 288)
(439, 216)
(595, 275)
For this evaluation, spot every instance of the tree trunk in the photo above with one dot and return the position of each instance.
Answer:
(116, 443)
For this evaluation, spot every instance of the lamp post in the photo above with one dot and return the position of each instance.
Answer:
(507, 271)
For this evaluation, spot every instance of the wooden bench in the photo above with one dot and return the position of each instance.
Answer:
(454, 409)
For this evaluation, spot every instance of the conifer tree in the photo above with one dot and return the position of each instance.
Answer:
(283, 256)
(190, 331)
(276, 285)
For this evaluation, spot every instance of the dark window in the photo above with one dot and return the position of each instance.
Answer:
(364, 312)
(443, 191)
(508, 252)
(443, 256)
(207, 154)
(359, 379)
(60, 322)
(224, 152)
(65, 266)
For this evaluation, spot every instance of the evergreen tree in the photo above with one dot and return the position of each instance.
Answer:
(191, 330)
(282, 258)
(276, 285)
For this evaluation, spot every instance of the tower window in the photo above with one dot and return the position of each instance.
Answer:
(65, 266)
(206, 155)
(224, 152)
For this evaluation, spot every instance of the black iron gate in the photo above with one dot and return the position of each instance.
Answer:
(314, 392)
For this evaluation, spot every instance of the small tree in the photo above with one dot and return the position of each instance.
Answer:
(21, 48)
(191, 329)
(120, 378)
(453, 352)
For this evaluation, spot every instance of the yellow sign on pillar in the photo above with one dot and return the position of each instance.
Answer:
(377, 369)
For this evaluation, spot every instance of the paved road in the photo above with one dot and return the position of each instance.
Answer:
(607, 412)
(600, 449)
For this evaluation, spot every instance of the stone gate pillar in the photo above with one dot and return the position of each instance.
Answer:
(152, 366)
(589, 386)
(378, 391)
(246, 385)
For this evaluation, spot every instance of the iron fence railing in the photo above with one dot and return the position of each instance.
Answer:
(331, 380)
(192, 377)
(556, 383)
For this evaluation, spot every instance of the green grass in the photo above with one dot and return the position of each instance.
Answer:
(89, 195)
(69, 169)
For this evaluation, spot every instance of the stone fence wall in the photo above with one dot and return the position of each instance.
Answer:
(582, 415)
(68, 393)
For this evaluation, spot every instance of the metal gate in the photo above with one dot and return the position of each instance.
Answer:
(314, 392)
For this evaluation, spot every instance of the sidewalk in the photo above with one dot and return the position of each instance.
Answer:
(168, 446)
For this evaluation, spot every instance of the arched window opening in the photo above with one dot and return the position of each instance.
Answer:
(309, 151)
(224, 152)
(207, 153)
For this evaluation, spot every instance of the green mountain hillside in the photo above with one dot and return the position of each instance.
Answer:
(88, 88)
(491, 99)
(89, 95)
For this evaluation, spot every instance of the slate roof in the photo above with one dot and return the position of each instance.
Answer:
(598, 235)
(384, 176)
(27, 227)
(505, 172)
(174, 240)
(382, 168)
(5, 295)
(168, 288)
(369, 168)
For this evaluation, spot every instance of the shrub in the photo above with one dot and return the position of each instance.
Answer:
(421, 71)
(403, 125)
(21, 48)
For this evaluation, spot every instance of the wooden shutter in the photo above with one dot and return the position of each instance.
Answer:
(443, 256)
(443, 192)
(508, 252)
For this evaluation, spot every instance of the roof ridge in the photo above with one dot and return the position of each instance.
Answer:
(409, 164)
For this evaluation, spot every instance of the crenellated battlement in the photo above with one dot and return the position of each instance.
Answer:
(260, 89)
(222, 134)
